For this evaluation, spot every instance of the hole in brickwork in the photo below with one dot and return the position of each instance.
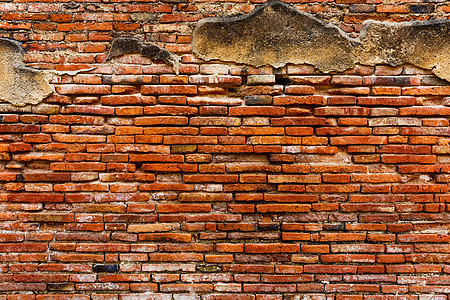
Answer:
(282, 79)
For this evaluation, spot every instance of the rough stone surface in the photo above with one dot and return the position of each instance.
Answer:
(277, 34)
(274, 34)
(19, 85)
(423, 44)
(126, 45)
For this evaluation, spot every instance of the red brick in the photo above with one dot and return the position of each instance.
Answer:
(210, 178)
(47, 218)
(146, 121)
(295, 236)
(173, 208)
(36, 197)
(169, 90)
(426, 90)
(298, 121)
(294, 179)
(178, 287)
(83, 89)
(274, 208)
(341, 111)
(269, 288)
(327, 269)
(299, 100)
(346, 80)
(352, 288)
(165, 237)
(29, 247)
(165, 187)
(329, 237)
(18, 128)
(271, 248)
(256, 111)
(386, 90)
(229, 248)
(386, 101)
(358, 140)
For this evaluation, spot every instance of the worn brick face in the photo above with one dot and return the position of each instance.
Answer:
(223, 181)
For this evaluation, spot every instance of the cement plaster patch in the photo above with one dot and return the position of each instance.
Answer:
(274, 34)
(277, 34)
(20, 85)
(424, 44)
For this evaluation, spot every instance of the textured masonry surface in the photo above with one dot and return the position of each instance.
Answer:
(277, 34)
(19, 85)
(225, 181)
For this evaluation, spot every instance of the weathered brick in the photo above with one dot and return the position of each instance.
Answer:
(341, 111)
(386, 101)
(268, 208)
(169, 90)
(223, 181)
(83, 89)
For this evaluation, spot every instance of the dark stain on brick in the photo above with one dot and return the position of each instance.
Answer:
(258, 100)
(421, 9)
(20, 177)
(361, 8)
(105, 268)
(268, 227)
(334, 227)
(209, 268)
(71, 5)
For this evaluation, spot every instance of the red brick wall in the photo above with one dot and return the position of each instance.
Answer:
(131, 182)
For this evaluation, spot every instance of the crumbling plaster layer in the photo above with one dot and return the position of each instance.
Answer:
(423, 44)
(20, 85)
(126, 45)
(277, 34)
